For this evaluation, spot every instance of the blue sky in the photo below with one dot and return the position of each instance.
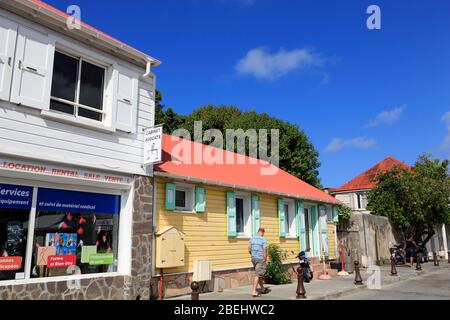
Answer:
(360, 95)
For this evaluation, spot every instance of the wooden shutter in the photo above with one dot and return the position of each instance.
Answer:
(335, 214)
(125, 99)
(33, 69)
(323, 230)
(256, 214)
(281, 218)
(170, 196)
(301, 225)
(8, 36)
(231, 214)
(200, 199)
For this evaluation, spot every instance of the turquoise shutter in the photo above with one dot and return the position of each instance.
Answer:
(316, 241)
(301, 227)
(335, 214)
(200, 199)
(170, 196)
(323, 229)
(281, 218)
(231, 214)
(256, 215)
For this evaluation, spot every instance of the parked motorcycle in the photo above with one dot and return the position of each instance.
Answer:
(398, 254)
(304, 263)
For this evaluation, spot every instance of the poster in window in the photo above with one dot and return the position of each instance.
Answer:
(65, 243)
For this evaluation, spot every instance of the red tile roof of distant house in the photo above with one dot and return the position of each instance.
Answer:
(245, 176)
(366, 180)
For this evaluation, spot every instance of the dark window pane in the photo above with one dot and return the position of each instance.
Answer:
(91, 85)
(286, 217)
(13, 241)
(180, 200)
(61, 107)
(64, 83)
(240, 215)
(89, 114)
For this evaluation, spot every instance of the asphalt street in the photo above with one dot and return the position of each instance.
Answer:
(433, 286)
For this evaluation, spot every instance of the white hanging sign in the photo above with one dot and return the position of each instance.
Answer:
(153, 145)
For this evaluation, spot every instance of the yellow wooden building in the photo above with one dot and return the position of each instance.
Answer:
(219, 207)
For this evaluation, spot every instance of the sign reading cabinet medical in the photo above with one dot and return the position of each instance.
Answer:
(15, 197)
(153, 145)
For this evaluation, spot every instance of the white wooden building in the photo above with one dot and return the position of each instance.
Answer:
(73, 106)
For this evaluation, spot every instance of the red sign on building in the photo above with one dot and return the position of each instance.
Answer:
(61, 261)
(10, 263)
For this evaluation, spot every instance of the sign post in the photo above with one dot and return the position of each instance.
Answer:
(153, 145)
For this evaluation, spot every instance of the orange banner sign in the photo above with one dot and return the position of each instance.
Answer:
(10, 263)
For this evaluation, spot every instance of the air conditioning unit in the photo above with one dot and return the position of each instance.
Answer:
(202, 270)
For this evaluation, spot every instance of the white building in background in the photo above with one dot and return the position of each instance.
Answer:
(73, 191)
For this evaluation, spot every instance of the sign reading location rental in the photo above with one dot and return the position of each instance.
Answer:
(153, 145)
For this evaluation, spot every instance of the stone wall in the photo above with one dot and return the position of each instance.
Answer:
(367, 238)
(104, 287)
(179, 284)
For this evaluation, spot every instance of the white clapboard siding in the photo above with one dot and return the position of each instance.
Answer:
(26, 133)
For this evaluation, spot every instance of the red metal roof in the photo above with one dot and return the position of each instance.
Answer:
(235, 175)
(366, 180)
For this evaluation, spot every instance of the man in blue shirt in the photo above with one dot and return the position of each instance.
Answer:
(257, 247)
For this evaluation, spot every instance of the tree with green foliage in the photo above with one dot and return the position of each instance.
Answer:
(297, 155)
(277, 271)
(166, 116)
(415, 201)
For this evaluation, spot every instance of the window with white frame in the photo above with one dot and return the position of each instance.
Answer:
(243, 216)
(361, 201)
(80, 235)
(78, 87)
(289, 214)
(184, 197)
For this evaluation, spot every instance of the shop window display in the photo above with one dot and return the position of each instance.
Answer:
(15, 206)
(81, 239)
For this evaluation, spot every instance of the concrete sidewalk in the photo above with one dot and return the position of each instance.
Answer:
(320, 289)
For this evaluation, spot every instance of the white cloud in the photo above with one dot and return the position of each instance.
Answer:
(269, 66)
(446, 119)
(337, 144)
(386, 117)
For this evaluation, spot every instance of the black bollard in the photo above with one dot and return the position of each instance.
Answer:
(358, 279)
(393, 267)
(435, 259)
(195, 291)
(301, 292)
(418, 265)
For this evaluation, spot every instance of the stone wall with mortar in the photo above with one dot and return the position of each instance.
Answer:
(105, 287)
(179, 284)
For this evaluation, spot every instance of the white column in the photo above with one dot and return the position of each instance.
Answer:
(444, 240)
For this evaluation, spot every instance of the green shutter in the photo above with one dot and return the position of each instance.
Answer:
(300, 223)
(281, 218)
(200, 199)
(316, 241)
(256, 215)
(231, 214)
(323, 229)
(335, 214)
(170, 196)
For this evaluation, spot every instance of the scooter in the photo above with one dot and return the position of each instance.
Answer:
(304, 263)
(398, 254)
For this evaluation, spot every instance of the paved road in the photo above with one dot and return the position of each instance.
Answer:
(434, 286)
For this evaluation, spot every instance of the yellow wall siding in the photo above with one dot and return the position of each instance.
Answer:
(206, 233)
(331, 241)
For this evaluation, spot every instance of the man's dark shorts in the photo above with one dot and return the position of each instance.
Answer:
(260, 267)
